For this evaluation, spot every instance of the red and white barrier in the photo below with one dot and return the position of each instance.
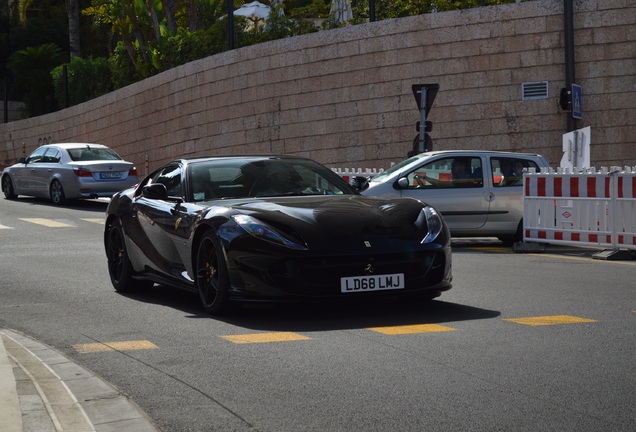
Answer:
(586, 208)
(349, 173)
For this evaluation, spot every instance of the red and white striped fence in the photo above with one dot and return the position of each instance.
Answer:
(349, 173)
(581, 207)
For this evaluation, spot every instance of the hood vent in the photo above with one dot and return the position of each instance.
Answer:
(534, 90)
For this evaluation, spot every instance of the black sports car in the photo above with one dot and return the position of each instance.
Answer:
(263, 228)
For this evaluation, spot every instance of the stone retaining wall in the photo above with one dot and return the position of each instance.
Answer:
(344, 98)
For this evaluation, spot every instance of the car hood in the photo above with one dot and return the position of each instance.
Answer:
(353, 221)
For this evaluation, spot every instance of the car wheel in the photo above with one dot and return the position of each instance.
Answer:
(119, 266)
(7, 188)
(508, 240)
(57, 193)
(211, 274)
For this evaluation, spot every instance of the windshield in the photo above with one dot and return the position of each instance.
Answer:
(252, 177)
(395, 168)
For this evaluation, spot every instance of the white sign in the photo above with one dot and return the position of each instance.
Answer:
(576, 149)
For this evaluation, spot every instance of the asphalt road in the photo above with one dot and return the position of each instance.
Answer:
(473, 360)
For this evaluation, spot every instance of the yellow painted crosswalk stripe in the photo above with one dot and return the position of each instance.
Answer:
(265, 337)
(550, 320)
(411, 329)
(94, 220)
(47, 222)
(114, 346)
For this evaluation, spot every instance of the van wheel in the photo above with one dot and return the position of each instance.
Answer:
(509, 240)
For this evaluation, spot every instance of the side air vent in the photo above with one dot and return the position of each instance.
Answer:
(534, 90)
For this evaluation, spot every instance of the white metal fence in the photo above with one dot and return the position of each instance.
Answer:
(581, 207)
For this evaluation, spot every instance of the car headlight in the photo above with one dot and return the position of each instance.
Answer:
(434, 223)
(262, 231)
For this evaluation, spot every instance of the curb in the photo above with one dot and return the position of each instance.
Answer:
(41, 390)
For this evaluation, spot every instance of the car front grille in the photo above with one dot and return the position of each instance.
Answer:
(320, 276)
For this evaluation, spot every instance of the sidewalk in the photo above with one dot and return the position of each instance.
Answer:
(42, 391)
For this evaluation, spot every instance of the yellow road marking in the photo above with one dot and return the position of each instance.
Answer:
(410, 329)
(490, 249)
(47, 222)
(265, 337)
(94, 220)
(588, 259)
(114, 346)
(550, 320)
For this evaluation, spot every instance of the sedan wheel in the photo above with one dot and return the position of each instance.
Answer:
(212, 278)
(119, 266)
(7, 188)
(57, 193)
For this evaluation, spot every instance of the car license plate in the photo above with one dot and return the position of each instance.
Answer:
(110, 175)
(372, 283)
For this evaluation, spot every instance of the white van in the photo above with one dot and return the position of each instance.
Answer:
(479, 193)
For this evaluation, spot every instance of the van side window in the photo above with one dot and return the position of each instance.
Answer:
(448, 173)
(509, 171)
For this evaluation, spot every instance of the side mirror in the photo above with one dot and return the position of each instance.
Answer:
(402, 183)
(156, 191)
(360, 183)
(22, 160)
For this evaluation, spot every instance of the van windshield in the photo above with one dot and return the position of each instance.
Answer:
(395, 168)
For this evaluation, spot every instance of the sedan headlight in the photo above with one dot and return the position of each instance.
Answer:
(434, 223)
(262, 231)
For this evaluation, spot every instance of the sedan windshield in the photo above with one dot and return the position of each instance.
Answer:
(242, 178)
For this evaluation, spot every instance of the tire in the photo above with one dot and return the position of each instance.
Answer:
(211, 274)
(509, 240)
(7, 188)
(119, 266)
(56, 192)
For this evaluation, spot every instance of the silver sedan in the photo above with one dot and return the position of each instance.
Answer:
(69, 171)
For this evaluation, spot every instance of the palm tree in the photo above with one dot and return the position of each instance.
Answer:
(32, 68)
(72, 7)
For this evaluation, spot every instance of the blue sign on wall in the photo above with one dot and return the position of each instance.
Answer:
(577, 101)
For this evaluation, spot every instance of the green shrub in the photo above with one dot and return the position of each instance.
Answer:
(88, 78)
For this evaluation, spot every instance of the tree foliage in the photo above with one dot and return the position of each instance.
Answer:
(32, 67)
(140, 38)
(87, 78)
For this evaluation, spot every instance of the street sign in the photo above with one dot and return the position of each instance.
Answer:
(577, 101)
(431, 92)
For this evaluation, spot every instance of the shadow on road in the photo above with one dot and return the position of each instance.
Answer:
(89, 205)
(324, 316)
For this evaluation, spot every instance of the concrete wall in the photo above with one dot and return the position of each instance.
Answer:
(343, 97)
(14, 110)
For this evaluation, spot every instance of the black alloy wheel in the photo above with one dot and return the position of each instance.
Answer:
(211, 274)
(7, 188)
(57, 193)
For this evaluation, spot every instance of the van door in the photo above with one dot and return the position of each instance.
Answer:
(507, 205)
(455, 187)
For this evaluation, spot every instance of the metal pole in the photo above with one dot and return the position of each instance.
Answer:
(5, 90)
(372, 10)
(568, 27)
(65, 85)
(422, 139)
